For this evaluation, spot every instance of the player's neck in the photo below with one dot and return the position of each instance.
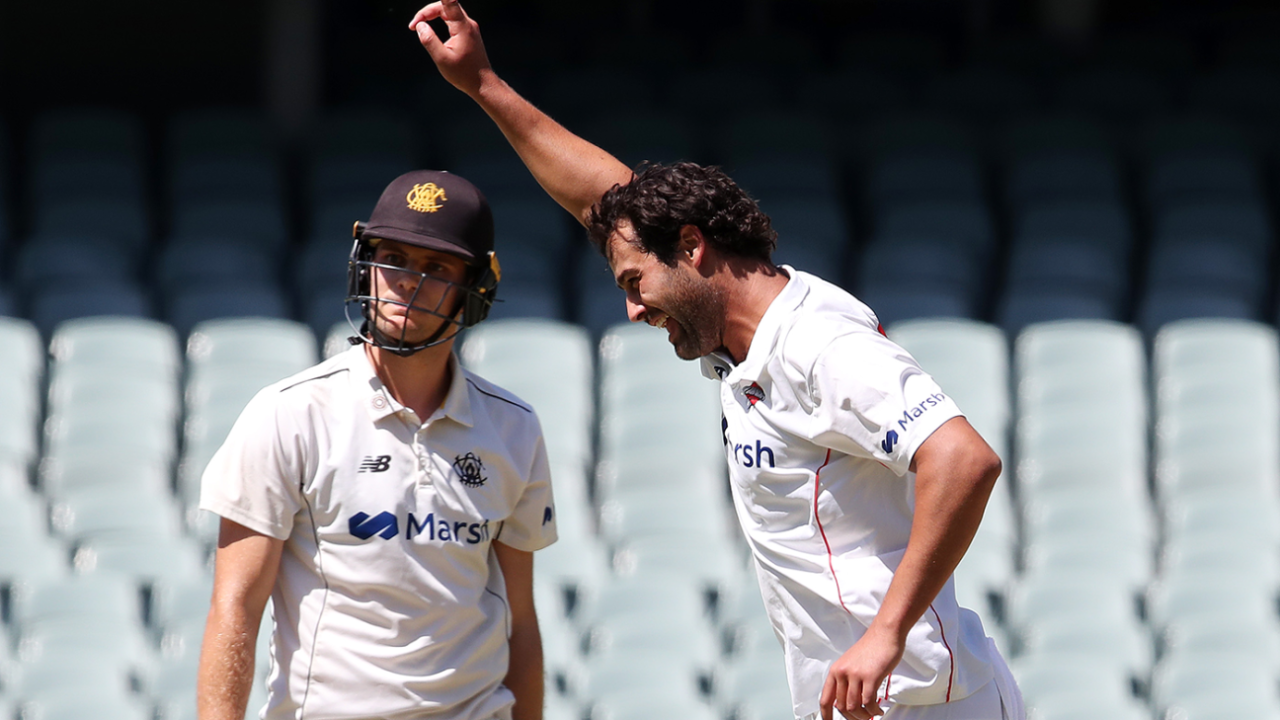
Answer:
(420, 381)
(751, 287)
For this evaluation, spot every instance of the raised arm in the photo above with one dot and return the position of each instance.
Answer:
(573, 171)
(245, 572)
(955, 473)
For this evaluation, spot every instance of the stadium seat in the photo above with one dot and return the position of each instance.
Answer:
(111, 513)
(547, 363)
(365, 131)
(922, 264)
(771, 135)
(1129, 643)
(577, 92)
(967, 224)
(79, 261)
(84, 130)
(716, 565)
(636, 135)
(1069, 596)
(1241, 223)
(854, 93)
(983, 93)
(149, 346)
(107, 176)
(1106, 224)
(1207, 635)
(1020, 309)
(213, 131)
(1206, 267)
(193, 306)
(54, 306)
(1063, 173)
(234, 176)
(698, 520)
(145, 562)
(813, 232)
(188, 263)
(355, 180)
(754, 687)
(98, 599)
(893, 305)
(1243, 92)
(1068, 268)
(924, 175)
(1221, 512)
(723, 92)
(1197, 681)
(124, 222)
(1177, 177)
(1193, 597)
(259, 221)
(788, 176)
(497, 173)
(1047, 679)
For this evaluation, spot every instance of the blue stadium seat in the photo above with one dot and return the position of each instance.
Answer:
(924, 175)
(112, 177)
(1068, 268)
(355, 179)
(84, 131)
(215, 131)
(227, 177)
(812, 232)
(1204, 266)
(147, 346)
(1241, 91)
(84, 261)
(638, 135)
(54, 306)
(1106, 224)
(577, 92)
(1063, 174)
(905, 52)
(599, 304)
(1178, 177)
(786, 177)
(257, 221)
(924, 264)
(111, 513)
(964, 223)
(1057, 133)
(366, 131)
(772, 134)
(193, 262)
(1161, 306)
(1242, 223)
(896, 304)
(723, 92)
(192, 306)
(499, 173)
(125, 222)
(332, 222)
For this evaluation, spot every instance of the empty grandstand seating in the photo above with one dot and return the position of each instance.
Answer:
(1081, 253)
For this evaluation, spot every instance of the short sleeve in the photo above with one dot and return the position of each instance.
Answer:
(532, 524)
(873, 400)
(255, 478)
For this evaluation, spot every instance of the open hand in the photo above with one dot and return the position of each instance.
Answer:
(854, 679)
(461, 58)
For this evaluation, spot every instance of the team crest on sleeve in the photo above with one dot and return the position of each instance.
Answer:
(470, 470)
(754, 393)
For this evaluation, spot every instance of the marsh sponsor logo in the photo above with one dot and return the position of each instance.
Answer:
(432, 527)
(747, 455)
(912, 414)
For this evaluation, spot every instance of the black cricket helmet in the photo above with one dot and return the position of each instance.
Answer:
(435, 210)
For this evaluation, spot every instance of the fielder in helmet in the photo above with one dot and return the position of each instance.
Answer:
(422, 268)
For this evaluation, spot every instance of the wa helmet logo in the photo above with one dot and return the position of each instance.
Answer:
(890, 439)
(384, 525)
(426, 198)
(470, 470)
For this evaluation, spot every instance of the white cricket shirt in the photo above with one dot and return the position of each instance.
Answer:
(389, 602)
(820, 423)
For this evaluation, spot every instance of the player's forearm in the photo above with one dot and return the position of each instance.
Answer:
(525, 677)
(225, 677)
(573, 171)
(951, 493)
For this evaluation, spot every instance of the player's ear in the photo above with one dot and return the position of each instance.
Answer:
(692, 243)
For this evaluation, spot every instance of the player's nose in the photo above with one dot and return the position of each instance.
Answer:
(635, 310)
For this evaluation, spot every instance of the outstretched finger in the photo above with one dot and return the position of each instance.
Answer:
(430, 12)
(427, 36)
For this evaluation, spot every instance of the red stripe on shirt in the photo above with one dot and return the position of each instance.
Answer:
(952, 676)
(817, 489)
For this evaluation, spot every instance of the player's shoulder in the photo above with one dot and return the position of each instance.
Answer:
(305, 386)
(494, 398)
(827, 315)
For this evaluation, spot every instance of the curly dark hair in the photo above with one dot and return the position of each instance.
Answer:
(661, 199)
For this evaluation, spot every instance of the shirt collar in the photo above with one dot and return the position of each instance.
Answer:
(768, 329)
(380, 403)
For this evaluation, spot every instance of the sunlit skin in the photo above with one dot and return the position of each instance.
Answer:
(417, 324)
(678, 299)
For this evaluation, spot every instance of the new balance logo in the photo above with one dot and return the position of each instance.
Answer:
(384, 525)
(890, 439)
(375, 463)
